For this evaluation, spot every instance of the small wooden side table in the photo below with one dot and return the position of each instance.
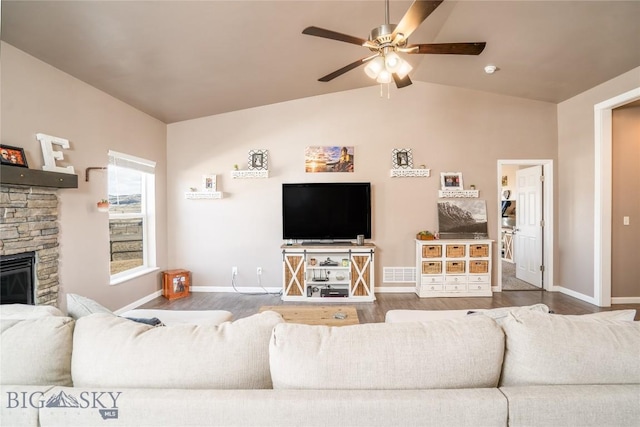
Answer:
(175, 284)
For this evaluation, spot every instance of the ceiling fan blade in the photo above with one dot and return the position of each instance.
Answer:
(417, 13)
(346, 68)
(328, 34)
(401, 82)
(447, 48)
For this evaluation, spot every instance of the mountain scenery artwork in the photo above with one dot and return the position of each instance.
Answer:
(459, 218)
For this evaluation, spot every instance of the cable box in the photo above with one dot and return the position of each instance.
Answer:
(339, 293)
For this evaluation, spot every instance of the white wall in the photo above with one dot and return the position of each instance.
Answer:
(576, 165)
(39, 98)
(448, 129)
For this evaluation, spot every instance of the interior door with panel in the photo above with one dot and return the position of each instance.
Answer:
(528, 232)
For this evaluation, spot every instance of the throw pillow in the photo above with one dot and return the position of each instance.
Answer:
(79, 306)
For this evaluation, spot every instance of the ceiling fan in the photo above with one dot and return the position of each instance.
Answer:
(386, 40)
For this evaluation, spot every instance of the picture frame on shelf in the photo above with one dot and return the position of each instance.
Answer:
(451, 181)
(13, 156)
(209, 183)
(402, 158)
(258, 160)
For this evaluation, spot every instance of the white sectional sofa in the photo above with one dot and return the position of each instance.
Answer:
(524, 368)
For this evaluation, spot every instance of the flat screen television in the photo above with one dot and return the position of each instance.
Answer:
(326, 211)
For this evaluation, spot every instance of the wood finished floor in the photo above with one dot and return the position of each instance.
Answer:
(242, 305)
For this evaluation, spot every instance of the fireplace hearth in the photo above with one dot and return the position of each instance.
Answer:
(16, 278)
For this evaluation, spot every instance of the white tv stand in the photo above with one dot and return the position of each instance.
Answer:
(336, 272)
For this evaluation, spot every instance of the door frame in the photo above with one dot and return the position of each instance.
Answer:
(602, 194)
(547, 216)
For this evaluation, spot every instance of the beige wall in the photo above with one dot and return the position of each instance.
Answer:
(39, 98)
(448, 129)
(576, 165)
(625, 256)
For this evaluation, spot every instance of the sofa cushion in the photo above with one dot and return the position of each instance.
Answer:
(395, 316)
(456, 353)
(36, 351)
(79, 306)
(499, 314)
(546, 349)
(285, 408)
(110, 351)
(27, 311)
(626, 315)
(178, 317)
(613, 405)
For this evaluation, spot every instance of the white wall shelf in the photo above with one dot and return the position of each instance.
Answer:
(410, 173)
(458, 193)
(261, 173)
(202, 195)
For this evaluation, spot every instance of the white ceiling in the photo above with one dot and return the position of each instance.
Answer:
(178, 60)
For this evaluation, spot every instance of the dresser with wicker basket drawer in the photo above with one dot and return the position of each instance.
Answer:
(453, 268)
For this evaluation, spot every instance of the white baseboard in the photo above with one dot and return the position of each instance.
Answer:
(395, 290)
(625, 300)
(138, 303)
(273, 290)
(577, 295)
(241, 289)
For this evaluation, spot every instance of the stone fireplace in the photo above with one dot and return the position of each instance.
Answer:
(29, 223)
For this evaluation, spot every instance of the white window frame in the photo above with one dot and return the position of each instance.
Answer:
(147, 213)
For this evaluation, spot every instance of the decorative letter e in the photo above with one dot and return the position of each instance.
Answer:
(50, 156)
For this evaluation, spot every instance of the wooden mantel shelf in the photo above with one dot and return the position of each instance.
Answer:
(13, 175)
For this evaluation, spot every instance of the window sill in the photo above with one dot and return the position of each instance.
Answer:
(132, 275)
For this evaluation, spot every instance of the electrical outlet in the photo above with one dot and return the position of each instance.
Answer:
(234, 271)
(259, 271)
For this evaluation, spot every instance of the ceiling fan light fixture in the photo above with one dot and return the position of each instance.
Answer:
(374, 67)
(404, 69)
(392, 61)
(384, 77)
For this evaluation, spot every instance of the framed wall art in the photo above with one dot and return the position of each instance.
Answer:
(258, 160)
(13, 156)
(402, 158)
(451, 180)
(328, 159)
(209, 182)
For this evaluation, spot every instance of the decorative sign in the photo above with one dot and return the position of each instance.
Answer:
(50, 156)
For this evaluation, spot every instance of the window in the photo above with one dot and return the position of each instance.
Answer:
(131, 216)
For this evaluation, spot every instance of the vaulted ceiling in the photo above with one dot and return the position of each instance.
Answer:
(178, 60)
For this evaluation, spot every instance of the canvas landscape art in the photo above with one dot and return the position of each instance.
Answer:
(462, 219)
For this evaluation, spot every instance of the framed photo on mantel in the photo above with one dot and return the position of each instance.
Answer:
(13, 156)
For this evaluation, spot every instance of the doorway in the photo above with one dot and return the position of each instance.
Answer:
(525, 259)
(603, 191)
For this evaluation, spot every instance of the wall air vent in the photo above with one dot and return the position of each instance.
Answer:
(399, 275)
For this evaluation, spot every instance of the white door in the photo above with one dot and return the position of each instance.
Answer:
(528, 233)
